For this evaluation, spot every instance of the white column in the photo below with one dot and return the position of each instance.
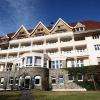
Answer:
(59, 49)
(18, 51)
(6, 62)
(44, 50)
(33, 61)
(42, 62)
(31, 46)
(47, 63)
(74, 51)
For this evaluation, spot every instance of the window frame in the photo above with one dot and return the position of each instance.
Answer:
(72, 78)
(2, 83)
(79, 80)
(30, 61)
(54, 78)
(61, 79)
(35, 61)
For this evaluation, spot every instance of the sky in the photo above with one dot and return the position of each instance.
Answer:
(14, 13)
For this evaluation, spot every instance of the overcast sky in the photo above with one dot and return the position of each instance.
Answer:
(14, 13)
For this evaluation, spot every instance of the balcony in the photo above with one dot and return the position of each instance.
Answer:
(80, 43)
(68, 53)
(81, 53)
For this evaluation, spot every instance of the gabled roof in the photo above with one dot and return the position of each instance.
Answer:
(89, 24)
(60, 20)
(40, 23)
(5, 37)
(79, 25)
(22, 27)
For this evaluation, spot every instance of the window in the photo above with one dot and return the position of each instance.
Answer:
(16, 81)
(80, 77)
(59, 27)
(79, 29)
(61, 79)
(53, 80)
(37, 80)
(9, 67)
(80, 63)
(96, 36)
(72, 63)
(81, 50)
(37, 60)
(57, 64)
(23, 59)
(97, 47)
(11, 81)
(40, 29)
(29, 61)
(70, 77)
(61, 64)
(1, 81)
(53, 64)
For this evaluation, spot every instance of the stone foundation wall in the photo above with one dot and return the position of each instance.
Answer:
(68, 85)
(32, 72)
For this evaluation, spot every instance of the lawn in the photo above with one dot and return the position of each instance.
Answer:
(9, 95)
(50, 95)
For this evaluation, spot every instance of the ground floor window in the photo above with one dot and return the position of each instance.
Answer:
(70, 77)
(37, 80)
(16, 80)
(61, 79)
(2, 81)
(53, 80)
(11, 80)
(80, 77)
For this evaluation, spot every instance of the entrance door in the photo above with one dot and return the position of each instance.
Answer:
(27, 83)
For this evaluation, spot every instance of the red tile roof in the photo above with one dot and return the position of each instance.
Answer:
(89, 25)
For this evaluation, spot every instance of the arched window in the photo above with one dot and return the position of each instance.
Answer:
(11, 81)
(37, 80)
(16, 80)
(1, 81)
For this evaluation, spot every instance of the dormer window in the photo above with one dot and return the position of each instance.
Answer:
(21, 32)
(79, 29)
(60, 26)
(40, 29)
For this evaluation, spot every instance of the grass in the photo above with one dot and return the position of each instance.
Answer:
(9, 95)
(50, 95)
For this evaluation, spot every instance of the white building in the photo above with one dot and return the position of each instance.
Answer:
(58, 46)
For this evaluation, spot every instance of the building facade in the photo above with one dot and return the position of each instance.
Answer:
(39, 58)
